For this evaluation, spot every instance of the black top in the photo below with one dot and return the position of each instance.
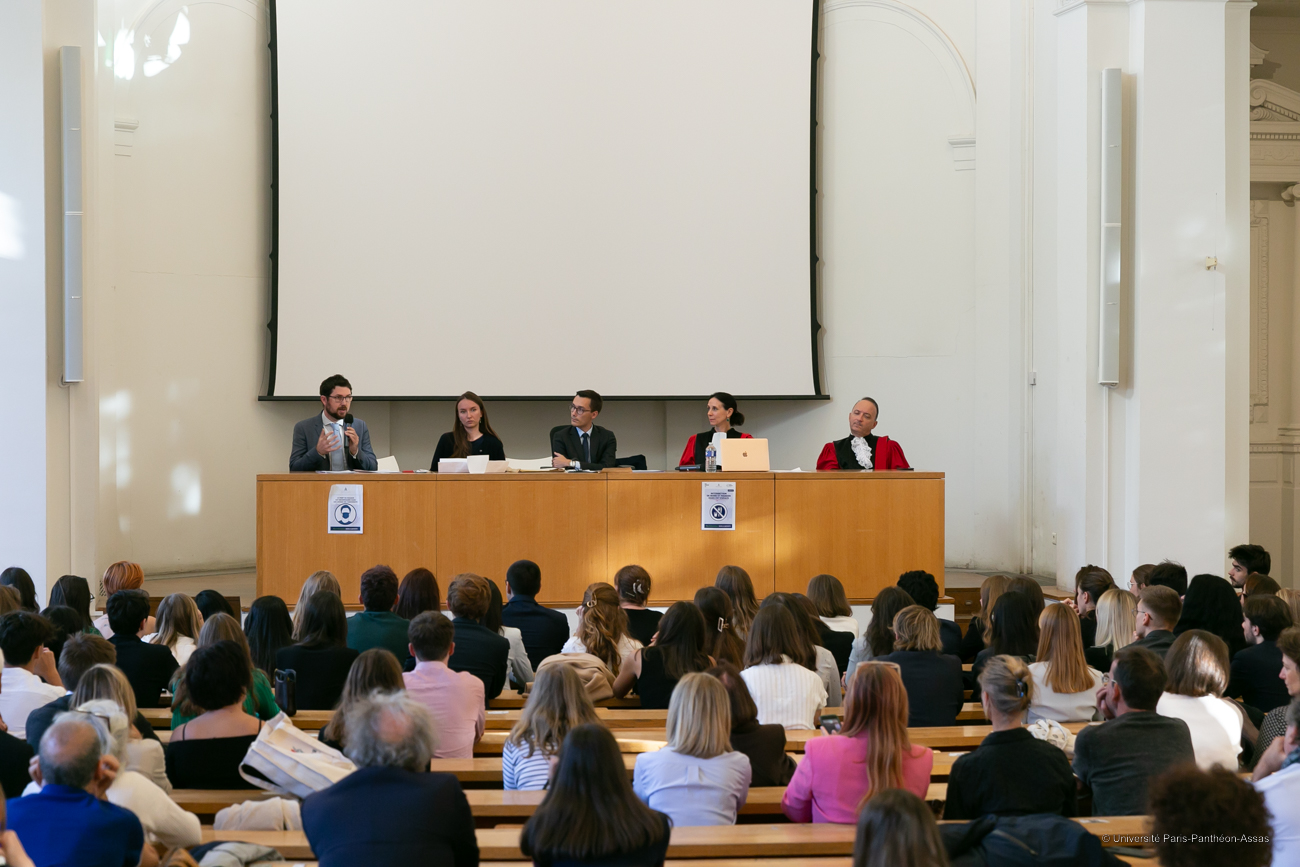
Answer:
(321, 671)
(981, 659)
(654, 685)
(484, 445)
(149, 668)
(935, 691)
(15, 755)
(1254, 677)
(1088, 627)
(652, 855)
(1012, 773)
(1099, 657)
(604, 446)
(973, 643)
(1159, 642)
(703, 439)
(43, 717)
(211, 763)
(765, 746)
(383, 815)
(1117, 759)
(642, 623)
(950, 636)
(840, 644)
(544, 630)
(482, 653)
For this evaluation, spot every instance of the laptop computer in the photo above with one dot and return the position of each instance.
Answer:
(744, 455)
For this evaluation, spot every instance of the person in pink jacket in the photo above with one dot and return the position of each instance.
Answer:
(871, 754)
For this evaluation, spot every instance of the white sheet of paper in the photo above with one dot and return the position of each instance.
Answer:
(388, 465)
(345, 511)
(520, 465)
(453, 465)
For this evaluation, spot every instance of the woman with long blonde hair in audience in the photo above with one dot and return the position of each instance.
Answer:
(1198, 667)
(144, 755)
(122, 575)
(321, 580)
(1116, 620)
(179, 622)
(697, 779)
(602, 628)
(1011, 773)
(375, 670)
(260, 699)
(871, 753)
(1065, 687)
(977, 630)
(897, 829)
(735, 582)
(556, 704)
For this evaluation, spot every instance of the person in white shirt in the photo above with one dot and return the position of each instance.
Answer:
(785, 692)
(602, 628)
(697, 779)
(1277, 778)
(30, 678)
(1197, 663)
(1065, 687)
(178, 622)
(832, 603)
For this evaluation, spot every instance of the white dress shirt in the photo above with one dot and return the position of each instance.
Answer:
(785, 693)
(843, 624)
(693, 791)
(182, 649)
(1062, 706)
(22, 692)
(521, 670)
(1215, 724)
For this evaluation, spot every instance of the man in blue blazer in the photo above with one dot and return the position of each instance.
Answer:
(326, 441)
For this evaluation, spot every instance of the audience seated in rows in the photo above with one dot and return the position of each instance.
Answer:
(590, 815)
(1197, 669)
(632, 583)
(376, 670)
(1116, 621)
(206, 752)
(321, 657)
(827, 595)
(1157, 614)
(878, 638)
(1274, 724)
(739, 587)
(1254, 677)
(71, 821)
(377, 625)
(143, 755)
(924, 590)
(764, 745)
(267, 628)
(80, 654)
(316, 581)
(1211, 604)
(30, 678)
(602, 628)
(454, 699)
(74, 592)
(721, 641)
(479, 651)
(871, 753)
(1118, 758)
(178, 623)
(122, 575)
(933, 680)
(1277, 778)
(696, 779)
(544, 630)
(786, 692)
(260, 700)
(1065, 687)
(1013, 631)
(678, 650)
(1011, 773)
(1090, 583)
(391, 809)
(149, 667)
(519, 669)
(1210, 818)
(556, 704)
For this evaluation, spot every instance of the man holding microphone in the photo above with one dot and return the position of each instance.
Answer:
(333, 440)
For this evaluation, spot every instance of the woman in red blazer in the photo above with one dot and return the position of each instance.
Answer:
(724, 418)
(861, 450)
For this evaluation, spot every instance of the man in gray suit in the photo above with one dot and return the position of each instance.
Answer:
(325, 441)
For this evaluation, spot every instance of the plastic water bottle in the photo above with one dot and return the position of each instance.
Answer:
(710, 459)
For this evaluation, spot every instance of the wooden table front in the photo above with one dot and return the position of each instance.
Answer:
(865, 528)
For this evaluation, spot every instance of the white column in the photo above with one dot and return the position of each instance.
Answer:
(22, 288)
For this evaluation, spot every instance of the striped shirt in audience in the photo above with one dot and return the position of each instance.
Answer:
(520, 771)
(786, 694)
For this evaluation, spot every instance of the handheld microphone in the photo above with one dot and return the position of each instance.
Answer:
(347, 420)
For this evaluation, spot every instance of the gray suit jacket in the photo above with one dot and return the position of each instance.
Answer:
(304, 458)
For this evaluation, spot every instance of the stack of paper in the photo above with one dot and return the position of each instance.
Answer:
(533, 465)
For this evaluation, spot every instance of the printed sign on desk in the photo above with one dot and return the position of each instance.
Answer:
(345, 512)
(717, 505)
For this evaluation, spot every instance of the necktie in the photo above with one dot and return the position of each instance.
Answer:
(586, 448)
(337, 459)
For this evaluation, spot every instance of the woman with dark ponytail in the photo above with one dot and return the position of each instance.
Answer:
(724, 418)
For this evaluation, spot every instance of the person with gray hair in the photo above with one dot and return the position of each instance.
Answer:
(391, 810)
(68, 822)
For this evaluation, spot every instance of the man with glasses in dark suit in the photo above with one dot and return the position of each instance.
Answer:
(332, 440)
(582, 445)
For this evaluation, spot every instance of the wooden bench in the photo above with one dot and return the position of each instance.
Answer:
(840, 861)
(307, 720)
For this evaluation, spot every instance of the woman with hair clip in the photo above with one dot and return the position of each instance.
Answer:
(470, 434)
(871, 753)
(633, 586)
(977, 630)
(260, 701)
(724, 418)
(678, 650)
(376, 670)
(556, 704)
(590, 815)
(697, 779)
(735, 582)
(878, 638)
(720, 640)
(1116, 620)
(1197, 663)
(602, 628)
(122, 575)
(320, 580)
(897, 829)
(1011, 773)
(1065, 688)
(179, 622)
(74, 592)
(780, 671)
(1013, 631)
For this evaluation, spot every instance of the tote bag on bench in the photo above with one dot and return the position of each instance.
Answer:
(287, 761)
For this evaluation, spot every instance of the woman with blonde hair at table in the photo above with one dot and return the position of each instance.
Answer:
(179, 622)
(1116, 620)
(1065, 687)
(122, 575)
(321, 580)
(602, 628)
(144, 755)
(871, 753)
(556, 704)
(697, 779)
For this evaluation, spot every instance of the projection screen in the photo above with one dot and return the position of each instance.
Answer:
(528, 197)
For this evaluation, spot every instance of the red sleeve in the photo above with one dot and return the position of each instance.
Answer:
(688, 456)
(746, 436)
(893, 458)
(827, 460)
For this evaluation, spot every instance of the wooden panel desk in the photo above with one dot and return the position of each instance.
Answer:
(866, 528)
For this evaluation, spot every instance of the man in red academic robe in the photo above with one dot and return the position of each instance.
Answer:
(861, 450)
